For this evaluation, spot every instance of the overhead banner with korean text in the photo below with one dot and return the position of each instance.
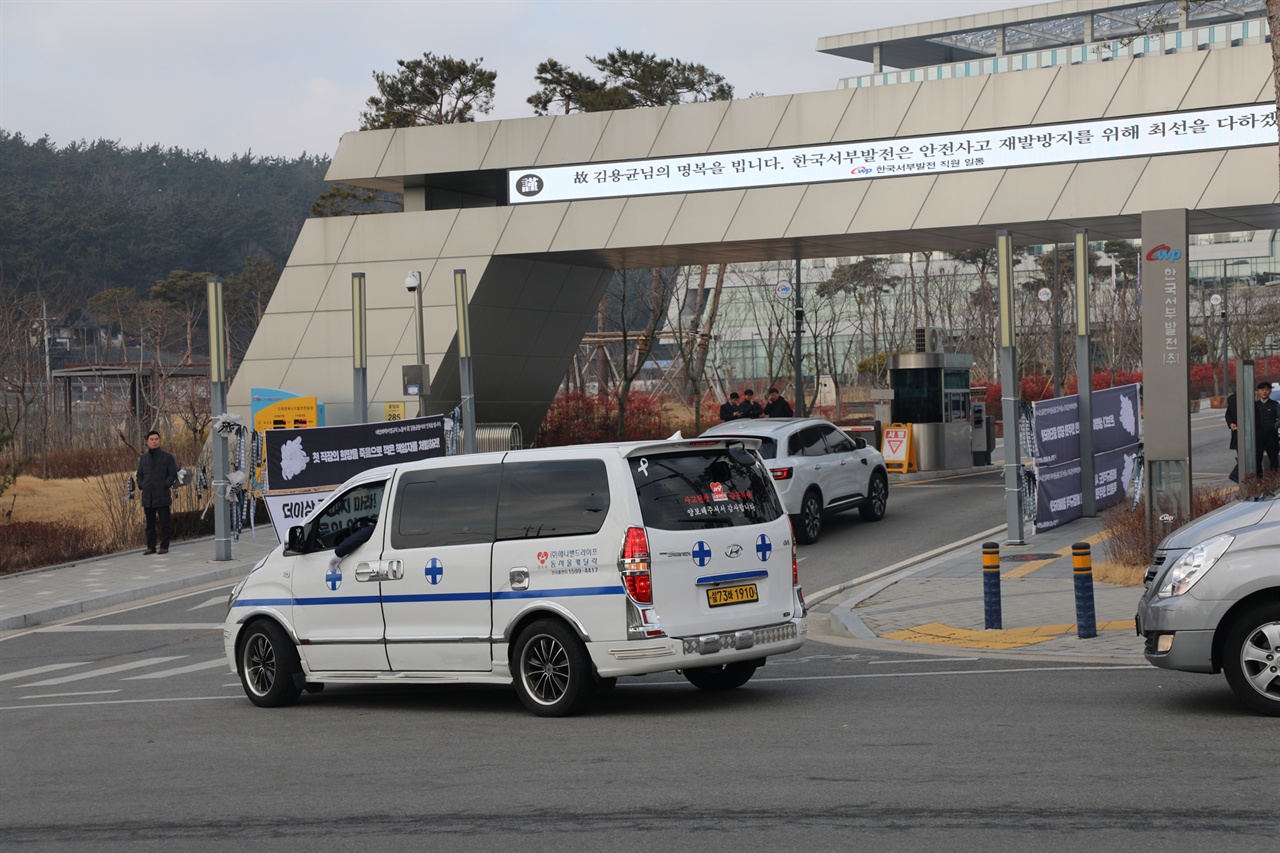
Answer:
(305, 465)
(1006, 148)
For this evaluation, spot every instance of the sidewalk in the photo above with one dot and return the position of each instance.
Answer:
(44, 595)
(939, 602)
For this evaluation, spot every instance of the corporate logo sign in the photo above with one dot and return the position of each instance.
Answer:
(1099, 139)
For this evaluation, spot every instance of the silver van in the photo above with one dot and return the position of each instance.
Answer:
(556, 570)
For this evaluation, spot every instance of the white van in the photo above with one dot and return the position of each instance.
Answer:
(558, 570)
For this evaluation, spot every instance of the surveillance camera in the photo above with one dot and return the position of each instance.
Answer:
(412, 281)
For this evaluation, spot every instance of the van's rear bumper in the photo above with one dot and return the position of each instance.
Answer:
(664, 654)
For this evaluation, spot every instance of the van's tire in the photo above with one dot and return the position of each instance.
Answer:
(1251, 658)
(808, 522)
(269, 665)
(552, 670)
(727, 676)
(877, 500)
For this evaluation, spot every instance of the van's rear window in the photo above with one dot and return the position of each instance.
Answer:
(698, 489)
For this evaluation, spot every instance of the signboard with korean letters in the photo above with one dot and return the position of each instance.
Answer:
(1006, 148)
(1117, 437)
(305, 465)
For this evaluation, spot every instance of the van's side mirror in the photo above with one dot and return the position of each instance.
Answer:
(298, 539)
(859, 442)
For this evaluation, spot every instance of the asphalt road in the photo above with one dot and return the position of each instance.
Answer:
(126, 731)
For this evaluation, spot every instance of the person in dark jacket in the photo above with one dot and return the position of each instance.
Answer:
(750, 408)
(777, 406)
(1232, 424)
(729, 409)
(157, 472)
(1267, 412)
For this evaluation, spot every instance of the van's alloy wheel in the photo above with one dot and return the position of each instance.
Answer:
(553, 672)
(1251, 658)
(268, 665)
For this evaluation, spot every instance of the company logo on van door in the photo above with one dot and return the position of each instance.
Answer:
(1164, 253)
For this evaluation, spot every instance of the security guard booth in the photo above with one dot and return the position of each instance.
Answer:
(931, 392)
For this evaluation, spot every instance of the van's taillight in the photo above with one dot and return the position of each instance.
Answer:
(782, 473)
(634, 566)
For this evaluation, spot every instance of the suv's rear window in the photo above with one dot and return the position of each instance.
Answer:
(697, 489)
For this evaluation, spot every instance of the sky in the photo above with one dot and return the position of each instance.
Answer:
(282, 78)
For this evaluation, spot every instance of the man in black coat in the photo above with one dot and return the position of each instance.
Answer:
(157, 472)
(750, 408)
(1267, 412)
(777, 406)
(729, 410)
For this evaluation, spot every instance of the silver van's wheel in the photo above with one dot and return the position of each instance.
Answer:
(1251, 658)
(724, 677)
(268, 665)
(877, 501)
(808, 523)
(552, 669)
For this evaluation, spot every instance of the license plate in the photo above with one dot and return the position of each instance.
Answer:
(743, 594)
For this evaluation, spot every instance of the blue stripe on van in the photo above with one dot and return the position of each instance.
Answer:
(350, 599)
(733, 576)
(560, 593)
(441, 596)
(456, 596)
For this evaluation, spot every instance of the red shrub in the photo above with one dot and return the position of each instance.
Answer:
(577, 418)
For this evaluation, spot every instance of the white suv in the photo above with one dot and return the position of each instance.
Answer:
(817, 469)
(558, 570)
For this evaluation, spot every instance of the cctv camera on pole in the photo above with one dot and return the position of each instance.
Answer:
(415, 376)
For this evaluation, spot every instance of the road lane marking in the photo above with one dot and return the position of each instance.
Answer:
(180, 670)
(164, 626)
(40, 670)
(62, 695)
(217, 599)
(920, 660)
(119, 702)
(110, 670)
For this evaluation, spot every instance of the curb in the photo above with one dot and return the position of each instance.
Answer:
(74, 608)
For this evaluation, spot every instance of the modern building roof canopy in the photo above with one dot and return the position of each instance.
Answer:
(1028, 28)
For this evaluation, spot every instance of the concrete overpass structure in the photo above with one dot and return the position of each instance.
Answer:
(540, 211)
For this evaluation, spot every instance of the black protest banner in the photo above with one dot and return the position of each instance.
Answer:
(324, 457)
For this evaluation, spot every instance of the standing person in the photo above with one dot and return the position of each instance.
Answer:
(777, 406)
(157, 472)
(1232, 425)
(1267, 412)
(750, 408)
(729, 409)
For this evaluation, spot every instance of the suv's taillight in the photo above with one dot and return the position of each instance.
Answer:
(781, 473)
(634, 566)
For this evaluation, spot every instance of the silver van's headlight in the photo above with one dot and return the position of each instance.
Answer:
(1193, 565)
